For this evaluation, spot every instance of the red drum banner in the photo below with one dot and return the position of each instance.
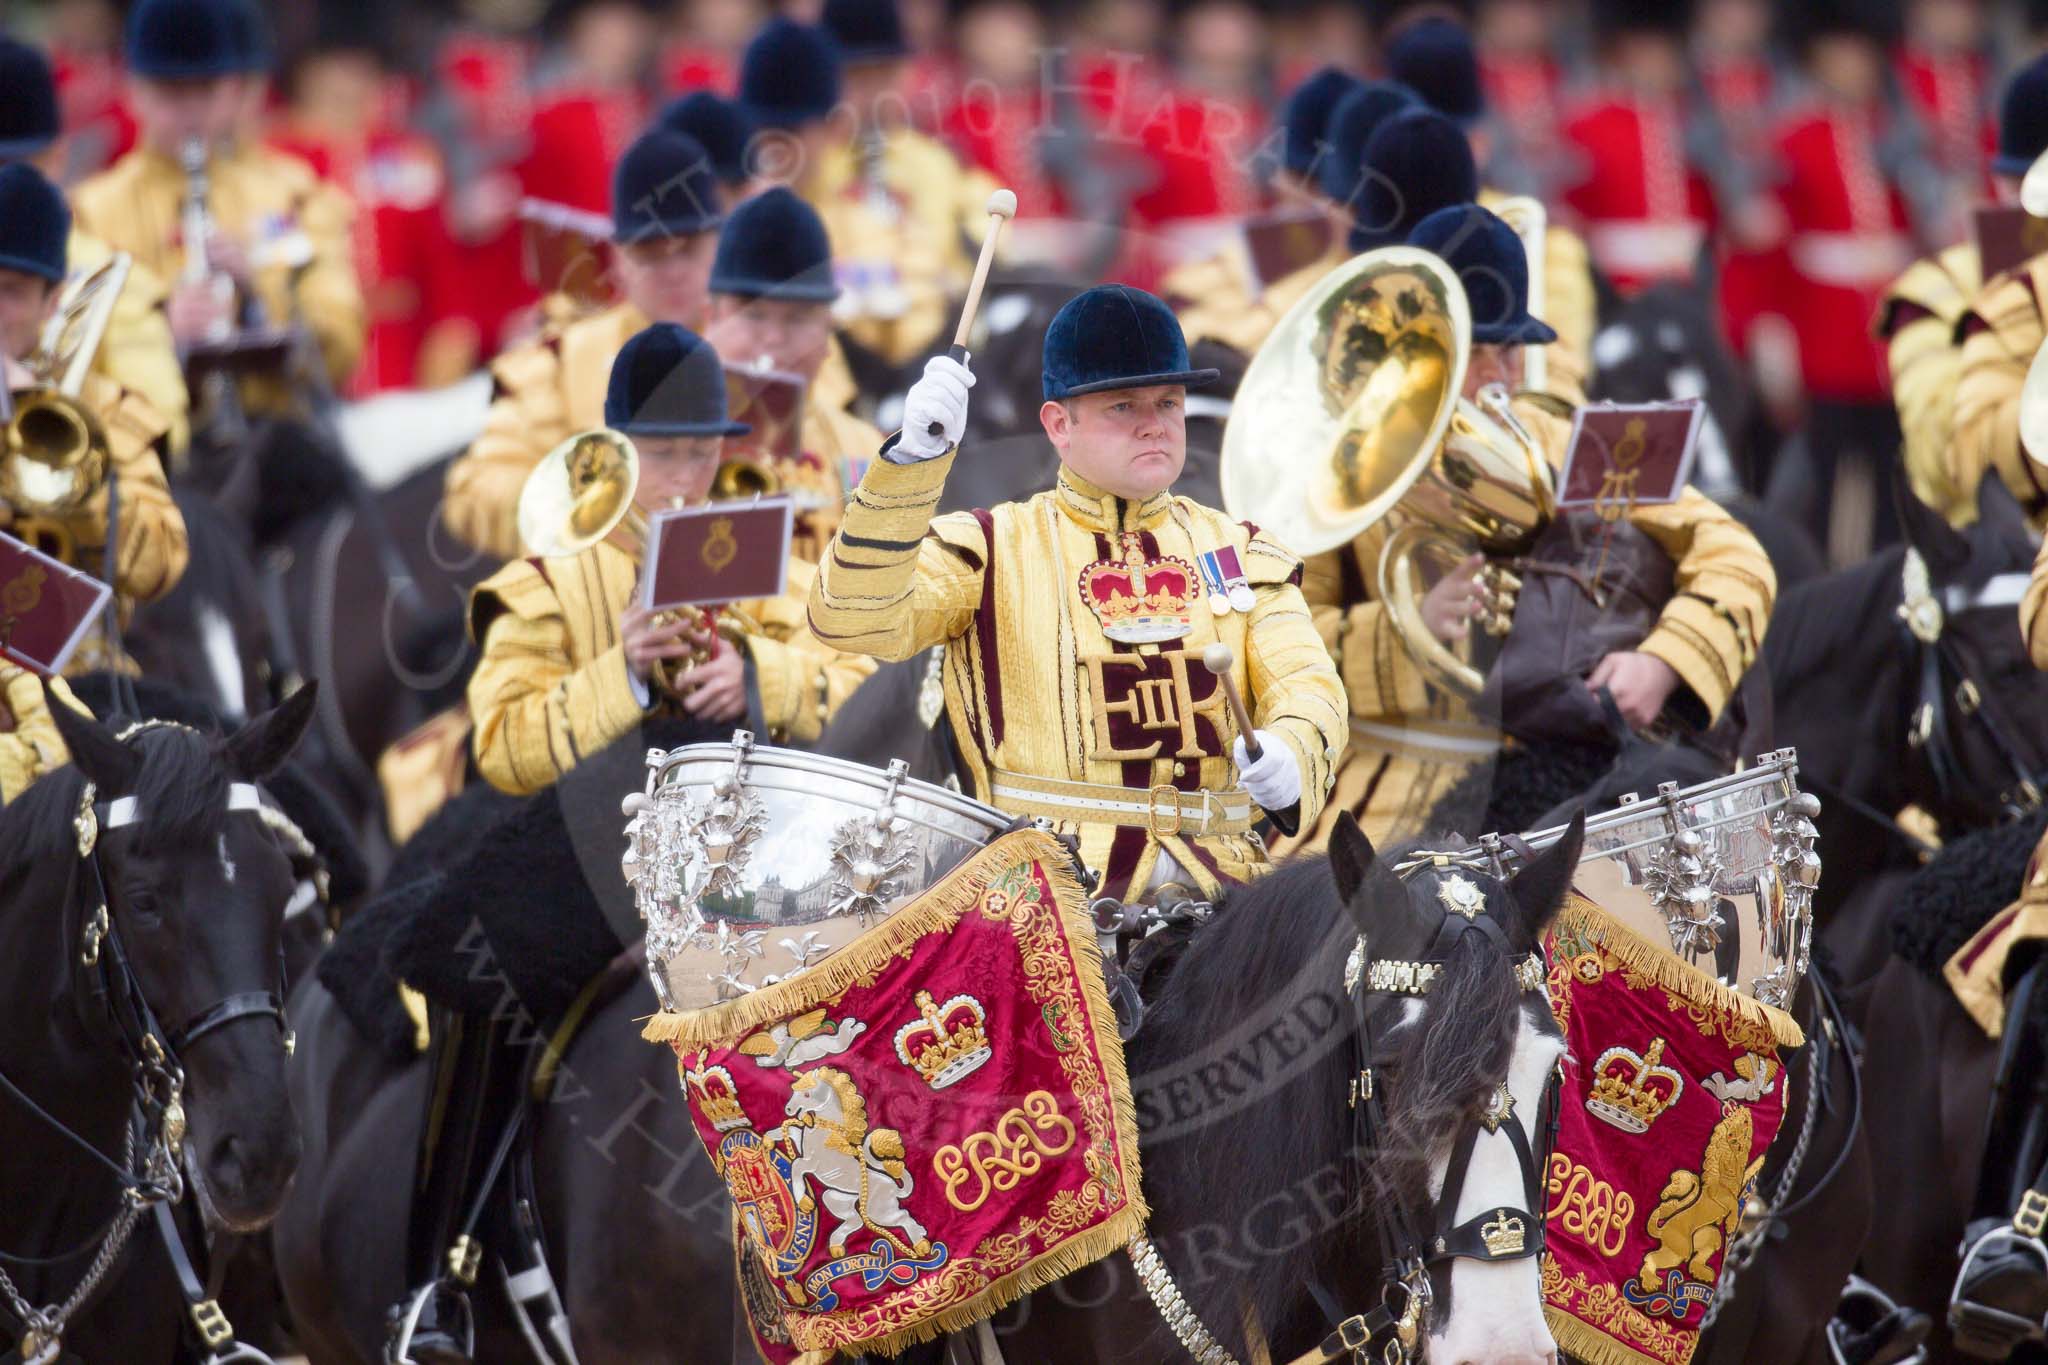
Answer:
(927, 1124)
(1673, 1090)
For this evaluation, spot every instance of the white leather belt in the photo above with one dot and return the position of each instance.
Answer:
(1164, 810)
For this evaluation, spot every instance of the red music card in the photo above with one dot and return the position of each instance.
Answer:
(1281, 243)
(771, 402)
(1625, 455)
(719, 553)
(567, 250)
(46, 606)
(2008, 237)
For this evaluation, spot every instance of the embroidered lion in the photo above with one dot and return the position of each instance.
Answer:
(1699, 1211)
(862, 1173)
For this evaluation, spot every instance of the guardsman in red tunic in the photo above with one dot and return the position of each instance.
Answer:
(340, 118)
(1846, 236)
(1945, 74)
(594, 104)
(1633, 181)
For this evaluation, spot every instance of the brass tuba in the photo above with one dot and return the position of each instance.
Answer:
(582, 492)
(1350, 417)
(54, 453)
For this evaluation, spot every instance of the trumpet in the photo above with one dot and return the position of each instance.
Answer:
(53, 450)
(583, 492)
(1352, 415)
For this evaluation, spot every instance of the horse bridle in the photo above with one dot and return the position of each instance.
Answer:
(1390, 1332)
(1497, 1234)
(1923, 615)
(112, 995)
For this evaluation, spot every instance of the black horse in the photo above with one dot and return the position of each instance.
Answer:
(208, 637)
(1272, 1204)
(1894, 702)
(142, 1040)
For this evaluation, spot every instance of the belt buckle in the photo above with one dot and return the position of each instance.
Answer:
(1152, 811)
(2032, 1215)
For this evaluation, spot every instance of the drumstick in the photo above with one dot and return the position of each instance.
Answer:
(1219, 659)
(1002, 207)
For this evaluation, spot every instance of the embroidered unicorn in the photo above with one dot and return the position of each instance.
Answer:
(862, 1173)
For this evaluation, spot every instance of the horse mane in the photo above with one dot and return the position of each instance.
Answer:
(1825, 618)
(182, 791)
(1280, 942)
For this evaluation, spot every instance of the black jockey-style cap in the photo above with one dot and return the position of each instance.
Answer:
(1116, 337)
(28, 101)
(35, 223)
(666, 381)
(1305, 118)
(184, 40)
(664, 187)
(2023, 119)
(789, 76)
(1436, 59)
(1415, 163)
(775, 246)
(1491, 264)
(720, 126)
(1352, 124)
(866, 30)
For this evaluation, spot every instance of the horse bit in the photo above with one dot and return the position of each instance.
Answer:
(157, 1182)
(1390, 1333)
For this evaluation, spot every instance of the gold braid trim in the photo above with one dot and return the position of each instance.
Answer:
(1589, 1344)
(1581, 916)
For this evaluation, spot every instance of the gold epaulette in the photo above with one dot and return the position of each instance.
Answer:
(1943, 284)
(963, 532)
(521, 587)
(2005, 302)
(130, 420)
(527, 367)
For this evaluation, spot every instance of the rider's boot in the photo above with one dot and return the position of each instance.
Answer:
(2000, 1298)
(472, 1069)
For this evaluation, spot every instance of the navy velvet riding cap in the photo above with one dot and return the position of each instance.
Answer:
(1116, 337)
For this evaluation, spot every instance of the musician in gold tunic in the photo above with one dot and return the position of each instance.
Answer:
(666, 209)
(138, 352)
(1957, 401)
(34, 230)
(771, 308)
(568, 654)
(279, 235)
(1075, 623)
(1410, 739)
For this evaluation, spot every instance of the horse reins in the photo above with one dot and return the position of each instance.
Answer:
(1923, 615)
(113, 996)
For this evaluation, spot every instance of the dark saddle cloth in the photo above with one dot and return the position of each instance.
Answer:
(1971, 879)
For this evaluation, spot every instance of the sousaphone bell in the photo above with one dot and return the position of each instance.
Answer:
(1350, 415)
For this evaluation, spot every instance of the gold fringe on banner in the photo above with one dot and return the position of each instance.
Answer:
(1589, 1345)
(937, 910)
(1583, 917)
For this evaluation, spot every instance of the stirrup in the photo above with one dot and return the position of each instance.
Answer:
(1862, 1312)
(1980, 1330)
(398, 1350)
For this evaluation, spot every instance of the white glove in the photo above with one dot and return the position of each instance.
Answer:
(1275, 780)
(941, 397)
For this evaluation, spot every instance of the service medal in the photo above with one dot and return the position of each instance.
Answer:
(1242, 597)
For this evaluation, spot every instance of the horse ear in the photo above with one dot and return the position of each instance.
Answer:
(1351, 856)
(111, 765)
(1944, 548)
(1538, 890)
(258, 748)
